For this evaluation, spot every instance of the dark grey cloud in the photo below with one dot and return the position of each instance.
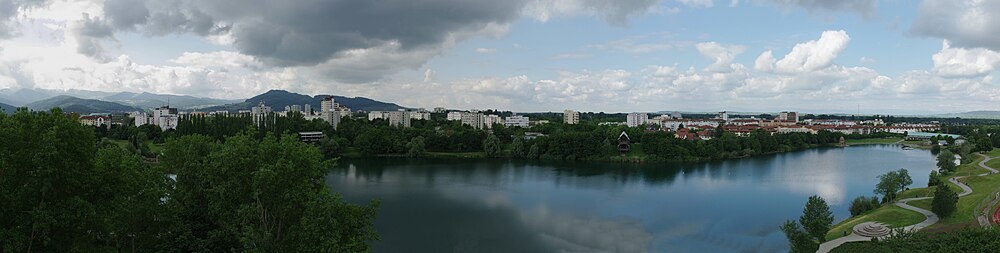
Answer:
(967, 24)
(90, 32)
(865, 8)
(336, 33)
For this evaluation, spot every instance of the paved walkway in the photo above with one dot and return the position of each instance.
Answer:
(930, 219)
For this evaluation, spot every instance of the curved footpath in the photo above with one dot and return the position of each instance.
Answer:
(931, 217)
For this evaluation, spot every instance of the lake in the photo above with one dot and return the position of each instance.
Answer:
(480, 205)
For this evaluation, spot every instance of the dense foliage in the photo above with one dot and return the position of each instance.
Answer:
(891, 183)
(863, 204)
(944, 202)
(813, 225)
(969, 240)
(946, 161)
(63, 191)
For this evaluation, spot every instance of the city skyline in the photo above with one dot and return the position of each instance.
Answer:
(872, 57)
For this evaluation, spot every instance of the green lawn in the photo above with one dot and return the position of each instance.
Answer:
(891, 215)
(994, 153)
(923, 203)
(895, 216)
(888, 140)
(982, 188)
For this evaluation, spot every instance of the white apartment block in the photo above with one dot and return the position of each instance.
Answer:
(571, 117)
(490, 120)
(517, 121)
(378, 115)
(420, 115)
(399, 118)
(259, 113)
(455, 116)
(474, 119)
(789, 116)
(636, 119)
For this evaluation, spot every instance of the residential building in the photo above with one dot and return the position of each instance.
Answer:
(420, 115)
(474, 119)
(96, 120)
(399, 118)
(571, 117)
(296, 108)
(490, 120)
(311, 136)
(636, 119)
(308, 109)
(516, 121)
(259, 113)
(724, 116)
(789, 116)
(439, 110)
(454, 116)
(378, 115)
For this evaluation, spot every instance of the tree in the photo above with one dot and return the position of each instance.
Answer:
(533, 152)
(798, 239)
(946, 161)
(892, 182)
(863, 204)
(331, 147)
(416, 147)
(492, 146)
(816, 218)
(266, 195)
(935, 149)
(518, 148)
(933, 179)
(944, 202)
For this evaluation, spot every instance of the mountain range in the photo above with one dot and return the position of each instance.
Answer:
(86, 102)
(970, 115)
(278, 99)
(80, 105)
(150, 100)
(8, 109)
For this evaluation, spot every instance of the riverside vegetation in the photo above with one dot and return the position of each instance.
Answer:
(64, 190)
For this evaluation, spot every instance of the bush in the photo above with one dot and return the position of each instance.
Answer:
(933, 179)
(863, 204)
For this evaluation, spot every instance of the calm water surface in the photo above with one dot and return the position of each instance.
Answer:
(735, 205)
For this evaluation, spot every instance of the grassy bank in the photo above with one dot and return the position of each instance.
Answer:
(889, 214)
(895, 216)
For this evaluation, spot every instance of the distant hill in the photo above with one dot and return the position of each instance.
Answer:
(970, 115)
(8, 109)
(278, 99)
(147, 100)
(80, 105)
(21, 97)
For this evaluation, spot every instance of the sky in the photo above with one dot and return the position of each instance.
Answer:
(817, 56)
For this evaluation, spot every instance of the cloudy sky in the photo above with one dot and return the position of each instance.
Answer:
(889, 56)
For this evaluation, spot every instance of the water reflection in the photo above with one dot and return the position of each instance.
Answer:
(518, 206)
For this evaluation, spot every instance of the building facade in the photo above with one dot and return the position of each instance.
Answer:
(517, 121)
(490, 120)
(474, 119)
(400, 118)
(571, 117)
(636, 119)
(454, 116)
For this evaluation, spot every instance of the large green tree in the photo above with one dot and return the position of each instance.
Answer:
(59, 193)
(892, 182)
(266, 195)
(816, 218)
(946, 161)
(944, 202)
(798, 239)
(492, 146)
